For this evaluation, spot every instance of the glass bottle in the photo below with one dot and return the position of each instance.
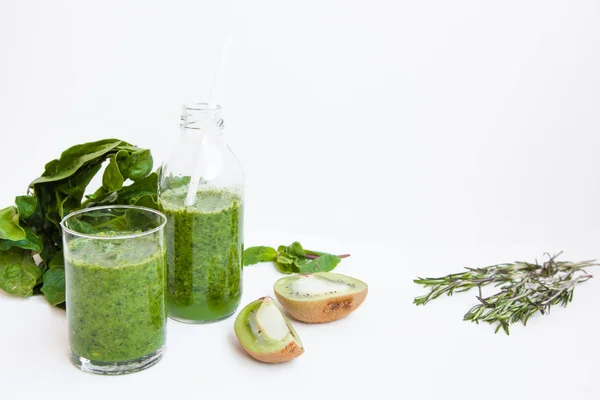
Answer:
(201, 191)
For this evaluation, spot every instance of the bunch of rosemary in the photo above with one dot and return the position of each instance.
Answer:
(526, 288)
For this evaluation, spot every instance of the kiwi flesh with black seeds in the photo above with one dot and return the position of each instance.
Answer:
(320, 297)
(266, 333)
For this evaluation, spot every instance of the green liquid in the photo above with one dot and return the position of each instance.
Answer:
(116, 297)
(204, 254)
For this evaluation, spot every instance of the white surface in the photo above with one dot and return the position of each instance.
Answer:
(419, 136)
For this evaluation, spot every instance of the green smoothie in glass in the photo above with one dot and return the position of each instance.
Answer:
(204, 253)
(115, 281)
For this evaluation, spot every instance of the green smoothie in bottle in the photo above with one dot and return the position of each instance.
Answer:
(201, 194)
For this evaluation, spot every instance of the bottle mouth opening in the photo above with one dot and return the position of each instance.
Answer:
(195, 107)
(201, 116)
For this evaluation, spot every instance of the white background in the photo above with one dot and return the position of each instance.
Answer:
(420, 136)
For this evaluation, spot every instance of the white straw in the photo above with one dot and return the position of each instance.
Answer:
(216, 88)
(215, 92)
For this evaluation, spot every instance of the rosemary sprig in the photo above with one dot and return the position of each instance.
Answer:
(525, 289)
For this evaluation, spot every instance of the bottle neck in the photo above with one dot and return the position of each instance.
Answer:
(199, 121)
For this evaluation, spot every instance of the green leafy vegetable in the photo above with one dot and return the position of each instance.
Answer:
(259, 254)
(135, 166)
(33, 226)
(296, 250)
(31, 242)
(54, 285)
(9, 224)
(26, 206)
(112, 180)
(293, 258)
(324, 263)
(18, 272)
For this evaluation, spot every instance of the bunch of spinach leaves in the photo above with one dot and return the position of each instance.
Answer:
(31, 228)
(293, 258)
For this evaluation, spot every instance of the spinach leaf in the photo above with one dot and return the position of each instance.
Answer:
(18, 272)
(142, 192)
(135, 166)
(31, 242)
(134, 193)
(57, 261)
(9, 224)
(26, 206)
(54, 285)
(254, 255)
(33, 226)
(72, 159)
(112, 179)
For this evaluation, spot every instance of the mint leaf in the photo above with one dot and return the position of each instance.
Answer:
(296, 249)
(324, 263)
(254, 255)
(293, 258)
(285, 268)
(285, 258)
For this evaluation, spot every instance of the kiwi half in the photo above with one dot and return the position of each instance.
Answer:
(320, 296)
(265, 332)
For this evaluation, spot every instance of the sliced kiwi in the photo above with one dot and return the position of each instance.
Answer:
(265, 332)
(321, 296)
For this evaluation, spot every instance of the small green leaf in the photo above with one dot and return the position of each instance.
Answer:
(296, 250)
(254, 255)
(48, 253)
(285, 258)
(284, 261)
(142, 193)
(26, 205)
(18, 272)
(284, 268)
(9, 224)
(299, 262)
(112, 179)
(324, 263)
(54, 285)
(145, 200)
(31, 242)
(135, 166)
(57, 260)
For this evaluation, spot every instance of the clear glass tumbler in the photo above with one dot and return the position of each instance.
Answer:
(115, 276)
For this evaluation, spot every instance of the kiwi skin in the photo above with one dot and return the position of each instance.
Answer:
(288, 353)
(323, 310)
(292, 350)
